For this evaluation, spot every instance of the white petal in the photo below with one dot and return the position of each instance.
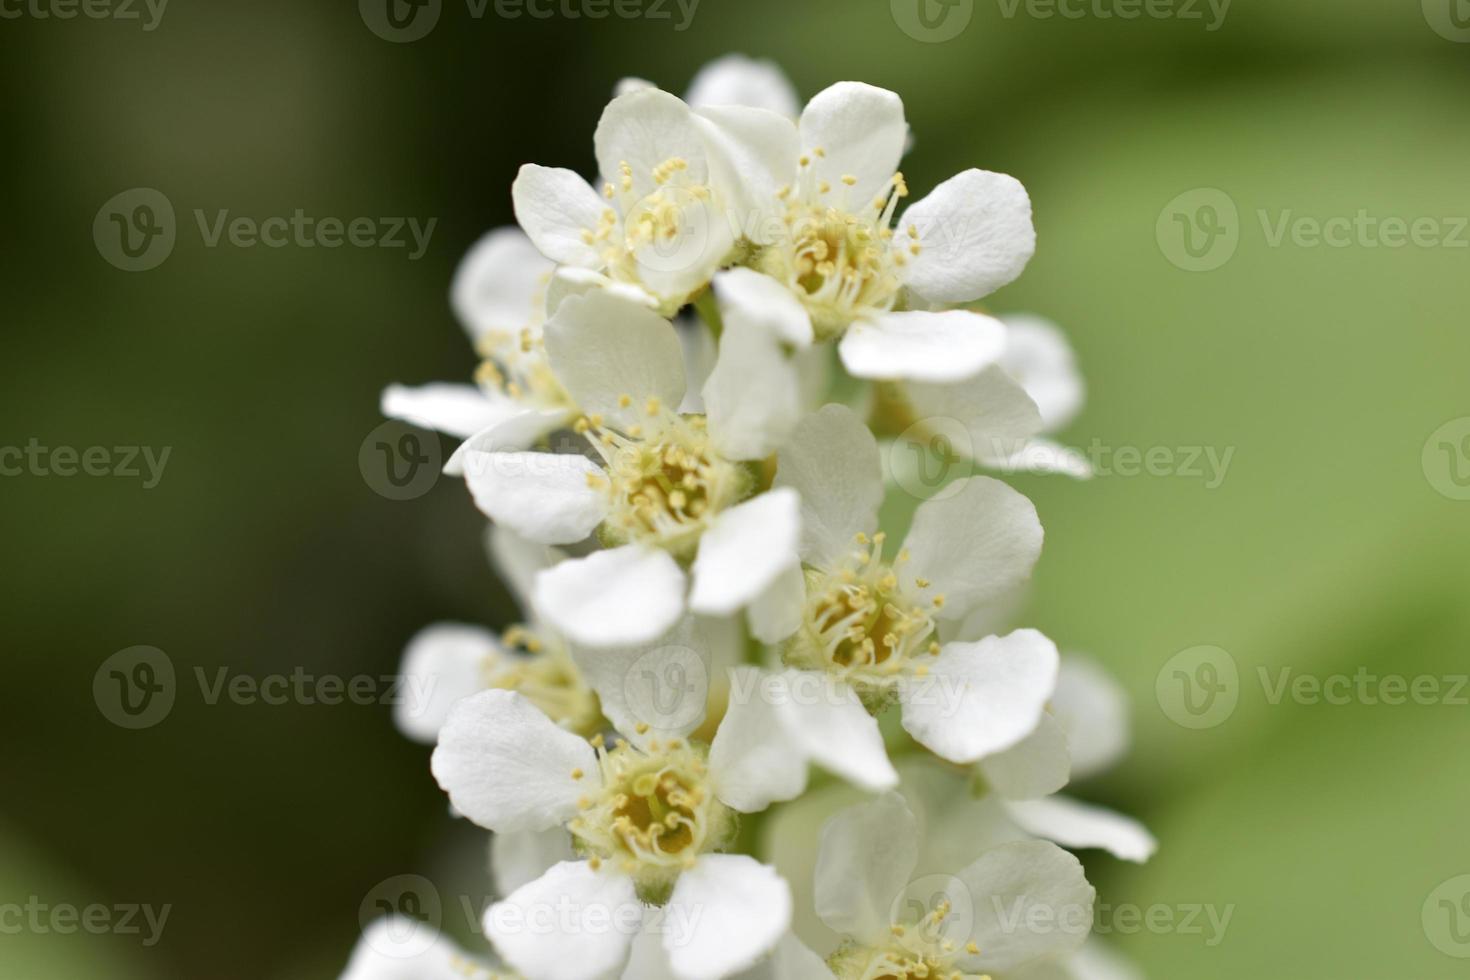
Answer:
(981, 698)
(500, 283)
(523, 856)
(659, 689)
(1079, 825)
(401, 948)
(861, 131)
(751, 763)
(1030, 900)
(750, 300)
(832, 461)
(631, 84)
(825, 720)
(744, 550)
(776, 613)
(936, 347)
(974, 545)
(1043, 456)
(752, 156)
(791, 960)
(994, 413)
(572, 281)
(753, 396)
(975, 235)
(643, 129)
(572, 923)
(550, 498)
(442, 664)
(610, 598)
(508, 767)
(1037, 766)
(556, 208)
(738, 80)
(458, 410)
(1092, 709)
(518, 560)
(603, 347)
(867, 856)
(517, 431)
(735, 910)
(1040, 358)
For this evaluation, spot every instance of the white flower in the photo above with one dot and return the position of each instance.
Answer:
(397, 949)
(734, 80)
(1039, 359)
(446, 662)
(661, 223)
(650, 815)
(872, 622)
(666, 491)
(394, 948)
(1015, 904)
(828, 236)
(1084, 732)
(499, 295)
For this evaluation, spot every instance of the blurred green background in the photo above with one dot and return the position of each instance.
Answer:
(1327, 547)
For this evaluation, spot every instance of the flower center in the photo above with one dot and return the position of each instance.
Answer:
(546, 676)
(841, 259)
(515, 364)
(919, 951)
(861, 624)
(654, 814)
(665, 477)
(661, 231)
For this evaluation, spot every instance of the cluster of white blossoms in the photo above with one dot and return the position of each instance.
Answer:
(689, 369)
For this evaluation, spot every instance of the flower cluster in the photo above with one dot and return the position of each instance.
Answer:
(688, 368)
